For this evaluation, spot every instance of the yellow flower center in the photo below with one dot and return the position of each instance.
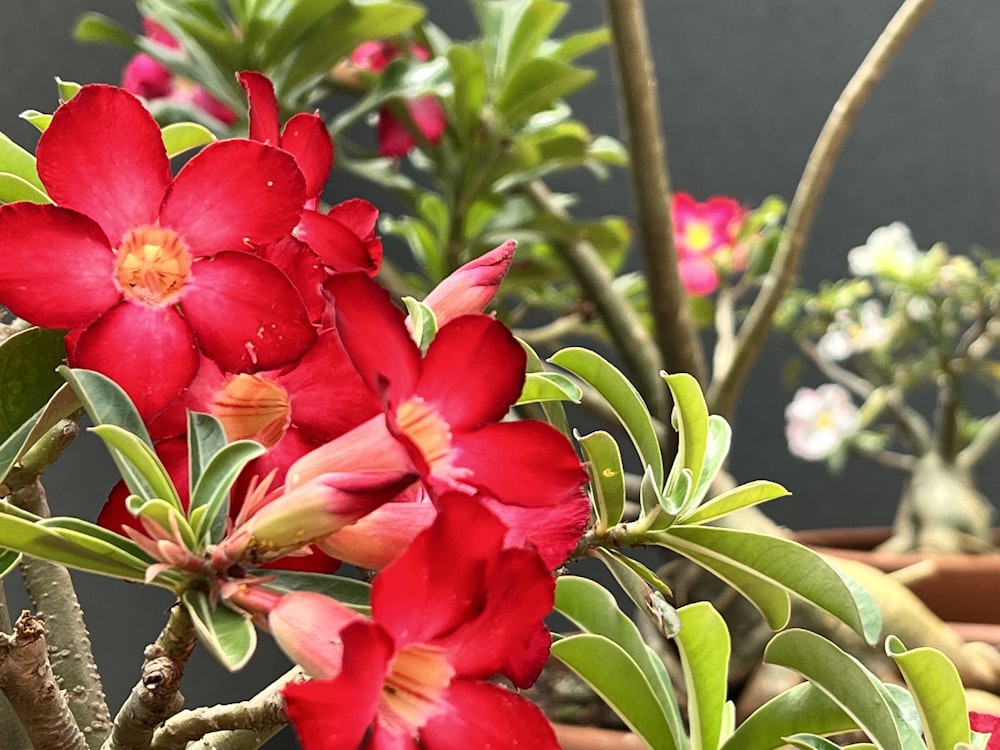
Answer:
(153, 266)
(418, 676)
(426, 430)
(698, 236)
(253, 407)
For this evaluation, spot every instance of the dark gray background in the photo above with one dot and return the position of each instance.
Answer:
(745, 89)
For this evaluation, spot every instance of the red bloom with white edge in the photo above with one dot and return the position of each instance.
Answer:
(455, 609)
(706, 239)
(148, 269)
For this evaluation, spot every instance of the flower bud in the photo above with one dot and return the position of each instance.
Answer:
(471, 288)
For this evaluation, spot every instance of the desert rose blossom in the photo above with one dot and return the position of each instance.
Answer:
(818, 421)
(394, 140)
(145, 77)
(706, 238)
(889, 249)
(455, 609)
(148, 269)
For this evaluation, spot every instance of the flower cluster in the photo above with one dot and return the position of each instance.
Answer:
(707, 239)
(225, 289)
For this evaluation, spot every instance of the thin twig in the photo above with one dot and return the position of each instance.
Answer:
(156, 697)
(980, 445)
(233, 727)
(676, 333)
(725, 388)
(27, 680)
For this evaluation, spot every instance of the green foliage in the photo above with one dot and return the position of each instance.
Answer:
(28, 377)
(230, 636)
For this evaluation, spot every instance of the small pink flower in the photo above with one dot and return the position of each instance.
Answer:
(706, 238)
(394, 139)
(818, 421)
(471, 288)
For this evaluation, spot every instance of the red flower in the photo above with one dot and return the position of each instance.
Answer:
(471, 288)
(147, 268)
(706, 238)
(986, 723)
(452, 611)
(145, 77)
(394, 140)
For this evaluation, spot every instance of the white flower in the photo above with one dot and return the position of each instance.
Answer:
(873, 329)
(818, 421)
(845, 336)
(888, 248)
(836, 343)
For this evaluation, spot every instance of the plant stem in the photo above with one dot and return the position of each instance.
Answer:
(27, 680)
(623, 324)
(676, 333)
(725, 388)
(156, 697)
(11, 730)
(980, 445)
(51, 590)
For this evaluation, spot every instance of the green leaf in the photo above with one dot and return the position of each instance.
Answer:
(67, 89)
(469, 93)
(517, 29)
(165, 515)
(535, 85)
(80, 527)
(744, 496)
(9, 560)
(614, 675)
(422, 322)
(554, 412)
(349, 591)
(228, 635)
(938, 693)
(548, 386)
(621, 396)
(28, 377)
(96, 27)
(39, 120)
(843, 678)
(703, 644)
(179, 137)
(67, 547)
(62, 405)
(781, 562)
(691, 416)
(19, 162)
(644, 588)
(205, 438)
(815, 742)
(140, 467)
(802, 708)
(607, 477)
(718, 440)
(105, 401)
(14, 188)
(576, 45)
(210, 498)
(592, 608)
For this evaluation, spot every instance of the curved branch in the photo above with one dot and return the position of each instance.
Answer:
(725, 387)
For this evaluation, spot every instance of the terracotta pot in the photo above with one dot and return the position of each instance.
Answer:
(963, 590)
(572, 737)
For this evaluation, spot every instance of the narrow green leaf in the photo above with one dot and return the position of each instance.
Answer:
(607, 477)
(744, 496)
(623, 398)
(62, 405)
(422, 322)
(521, 27)
(937, 690)
(614, 675)
(210, 498)
(349, 591)
(67, 547)
(644, 588)
(798, 709)
(14, 188)
(19, 162)
(593, 609)
(691, 416)
(67, 89)
(9, 560)
(843, 678)
(39, 120)
(815, 742)
(783, 562)
(228, 635)
(105, 401)
(703, 644)
(86, 528)
(165, 514)
(28, 377)
(576, 45)
(96, 27)
(554, 412)
(536, 84)
(179, 137)
(674, 496)
(141, 468)
(548, 386)
(469, 95)
(205, 438)
(718, 440)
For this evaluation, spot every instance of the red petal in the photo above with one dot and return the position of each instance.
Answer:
(429, 118)
(380, 537)
(150, 352)
(473, 371)
(234, 192)
(338, 247)
(487, 716)
(306, 138)
(103, 156)
(553, 531)
(523, 463)
(439, 581)
(246, 313)
(335, 714)
(394, 140)
(307, 626)
(304, 268)
(265, 121)
(360, 217)
(56, 269)
(172, 421)
(373, 332)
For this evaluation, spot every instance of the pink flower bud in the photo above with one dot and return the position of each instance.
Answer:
(307, 627)
(471, 288)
